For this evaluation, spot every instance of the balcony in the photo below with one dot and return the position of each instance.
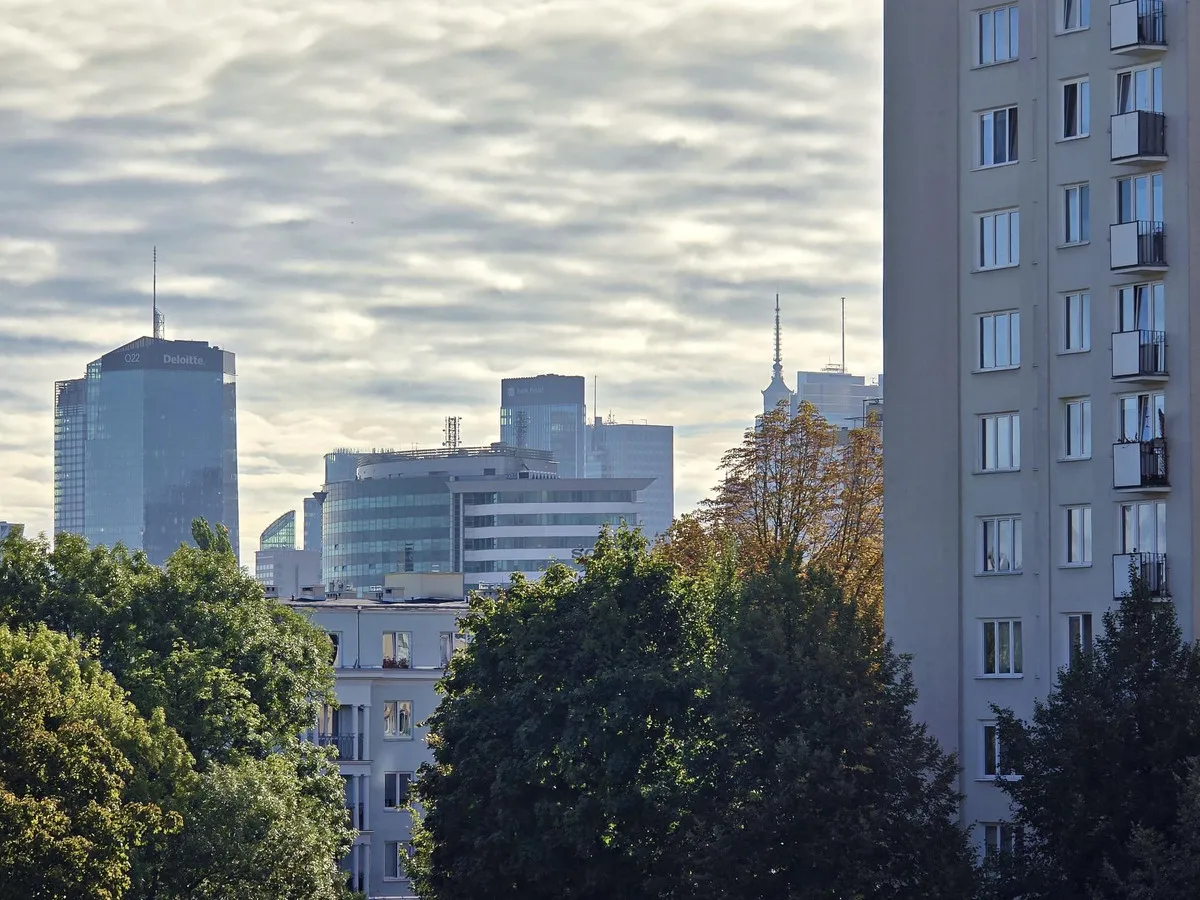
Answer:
(1151, 568)
(1140, 466)
(344, 744)
(1139, 355)
(357, 816)
(1137, 247)
(1138, 137)
(1137, 27)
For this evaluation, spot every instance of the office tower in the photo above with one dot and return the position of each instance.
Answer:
(312, 521)
(158, 421)
(1037, 336)
(280, 534)
(341, 465)
(635, 451)
(546, 412)
(840, 398)
(7, 528)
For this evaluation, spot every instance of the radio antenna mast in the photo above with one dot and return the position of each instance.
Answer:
(159, 321)
(843, 335)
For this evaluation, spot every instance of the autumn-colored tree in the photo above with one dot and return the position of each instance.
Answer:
(799, 492)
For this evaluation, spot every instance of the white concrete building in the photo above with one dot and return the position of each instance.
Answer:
(1037, 337)
(389, 654)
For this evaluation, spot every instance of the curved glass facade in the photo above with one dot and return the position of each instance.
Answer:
(280, 534)
(380, 525)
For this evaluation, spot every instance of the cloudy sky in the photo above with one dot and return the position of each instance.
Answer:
(385, 208)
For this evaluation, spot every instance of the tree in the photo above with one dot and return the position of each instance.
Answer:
(562, 742)
(1107, 784)
(794, 495)
(76, 762)
(820, 784)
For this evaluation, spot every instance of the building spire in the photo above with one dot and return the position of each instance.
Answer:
(778, 367)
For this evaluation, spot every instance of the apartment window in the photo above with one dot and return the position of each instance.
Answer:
(1002, 647)
(1077, 325)
(1001, 545)
(450, 642)
(1079, 536)
(1077, 443)
(1143, 417)
(991, 749)
(1144, 527)
(1077, 101)
(335, 650)
(998, 35)
(998, 137)
(1140, 198)
(1140, 88)
(1076, 14)
(1079, 633)
(1000, 442)
(999, 837)
(1141, 307)
(397, 719)
(1077, 214)
(397, 650)
(395, 789)
(394, 854)
(1000, 340)
(999, 239)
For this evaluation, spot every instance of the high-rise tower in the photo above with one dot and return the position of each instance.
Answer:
(547, 412)
(777, 391)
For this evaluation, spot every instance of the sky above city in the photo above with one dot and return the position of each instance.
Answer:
(385, 208)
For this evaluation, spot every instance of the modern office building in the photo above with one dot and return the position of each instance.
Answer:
(547, 412)
(839, 397)
(7, 528)
(279, 567)
(145, 443)
(389, 654)
(617, 450)
(280, 534)
(312, 521)
(1037, 338)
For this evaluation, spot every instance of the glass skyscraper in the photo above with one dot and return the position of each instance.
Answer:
(280, 534)
(145, 443)
(546, 412)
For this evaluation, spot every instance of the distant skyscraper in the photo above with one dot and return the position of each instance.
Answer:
(636, 451)
(839, 397)
(547, 412)
(341, 465)
(280, 534)
(7, 528)
(777, 391)
(146, 442)
(312, 521)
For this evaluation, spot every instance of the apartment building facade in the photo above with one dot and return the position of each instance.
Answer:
(1037, 339)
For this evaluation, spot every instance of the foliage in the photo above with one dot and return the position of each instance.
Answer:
(1107, 793)
(822, 786)
(562, 741)
(76, 766)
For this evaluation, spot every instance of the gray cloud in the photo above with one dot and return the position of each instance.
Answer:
(384, 209)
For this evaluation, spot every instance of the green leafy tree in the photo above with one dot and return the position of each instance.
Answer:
(562, 743)
(1106, 801)
(820, 784)
(78, 769)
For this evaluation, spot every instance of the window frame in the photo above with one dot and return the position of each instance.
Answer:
(395, 777)
(1001, 629)
(389, 861)
(1081, 121)
(987, 137)
(1086, 632)
(398, 706)
(1014, 442)
(1159, 510)
(986, 242)
(1127, 197)
(457, 640)
(1146, 302)
(1078, 518)
(999, 839)
(335, 638)
(1012, 326)
(1082, 214)
(394, 661)
(990, 742)
(1084, 421)
(1080, 319)
(991, 533)
(1011, 31)
(1128, 77)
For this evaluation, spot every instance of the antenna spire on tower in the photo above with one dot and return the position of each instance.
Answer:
(778, 368)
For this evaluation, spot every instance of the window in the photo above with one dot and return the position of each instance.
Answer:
(335, 654)
(1077, 443)
(998, 137)
(1000, 442)
(1002, 647)
(397, 719)
(1076, 14)
(397, 649)
(998, 35)
(1141, 307)
(394, 854)
(1077, 214)
(991, 749)
(1143, 417)
(999, 239)
(395, 789)
(1144, 527)
(1001, 545)
(1077, 328)
(1079, 633)
(999, 837)
(1140, 88)
(1000, 340)
(1140, 198)
(1079, 536)
(450, 641)
(1077, 116)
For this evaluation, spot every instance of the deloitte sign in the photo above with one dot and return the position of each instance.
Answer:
(174, 360)
(191, 357)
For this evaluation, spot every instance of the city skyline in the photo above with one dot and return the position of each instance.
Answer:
(382, 264)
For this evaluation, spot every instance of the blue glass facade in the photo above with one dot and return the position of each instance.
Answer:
(280, 534)
(70, 432)
(546, 412)
(159, 447)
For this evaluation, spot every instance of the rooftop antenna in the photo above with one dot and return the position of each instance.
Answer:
(843, 335)
(595, 395)
(451, 433)
(159, 321)
(778, 367)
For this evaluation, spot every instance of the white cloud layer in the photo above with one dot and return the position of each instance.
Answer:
(384, 208)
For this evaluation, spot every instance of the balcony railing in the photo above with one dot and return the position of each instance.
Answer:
(1139, 355)
(1140, 465)
(1137, 245)
(357, 815)
(344, 744)
(1137, 26)
(1150, 568)
(1138, 136)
